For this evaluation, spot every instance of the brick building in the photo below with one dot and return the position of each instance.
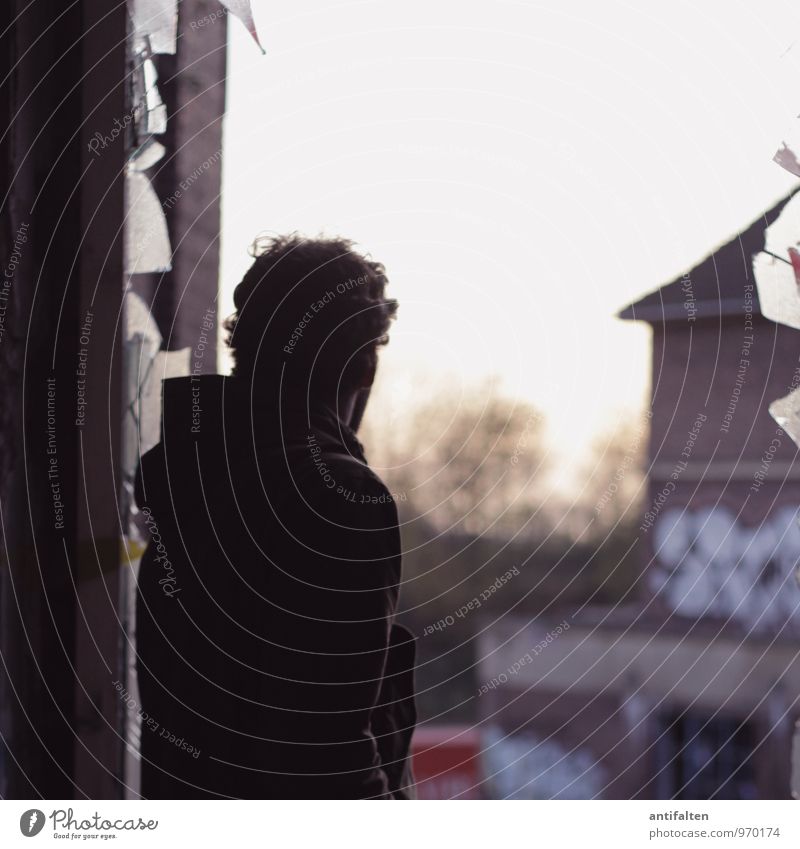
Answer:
(689, 689)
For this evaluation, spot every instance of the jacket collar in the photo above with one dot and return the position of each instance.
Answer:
(333, 432)
(232, 402)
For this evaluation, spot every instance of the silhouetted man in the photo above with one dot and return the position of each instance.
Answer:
(269, 665)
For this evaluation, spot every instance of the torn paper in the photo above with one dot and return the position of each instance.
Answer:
(147, 247)
(145, 368)
(774, 269)
(147, 155)
(150, 113)
(155, 24)
(786, 158)
(155, 110)
(786, 412)
(166, 364)
(777, 290)
(139, 321)
(242, 10)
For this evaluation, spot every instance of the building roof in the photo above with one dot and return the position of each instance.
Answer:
(715, 283)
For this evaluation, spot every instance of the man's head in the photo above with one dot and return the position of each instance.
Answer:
(313, 311)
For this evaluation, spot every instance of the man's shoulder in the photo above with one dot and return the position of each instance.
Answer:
(342, 510)
(350, 469)
(353, 484)
(338, 469)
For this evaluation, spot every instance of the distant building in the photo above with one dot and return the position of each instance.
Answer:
(690, 688)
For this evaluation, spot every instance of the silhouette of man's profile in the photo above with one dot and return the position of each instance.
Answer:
(268, 660)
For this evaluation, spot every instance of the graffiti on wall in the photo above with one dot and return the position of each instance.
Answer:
(709, 564)
(523, 766)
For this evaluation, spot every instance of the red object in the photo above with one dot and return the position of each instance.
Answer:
(446, 762)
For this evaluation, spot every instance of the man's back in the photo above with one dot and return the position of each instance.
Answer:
(266, 601)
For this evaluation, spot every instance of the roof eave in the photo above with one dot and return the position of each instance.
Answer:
(657, 313)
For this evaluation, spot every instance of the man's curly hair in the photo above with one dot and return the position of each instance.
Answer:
(311, 309)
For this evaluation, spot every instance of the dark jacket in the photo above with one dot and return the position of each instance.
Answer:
(269, 664)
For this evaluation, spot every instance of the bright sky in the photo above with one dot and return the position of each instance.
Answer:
(523, 170)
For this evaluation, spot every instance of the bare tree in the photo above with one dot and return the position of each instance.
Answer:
(471, 461)
(613, 481)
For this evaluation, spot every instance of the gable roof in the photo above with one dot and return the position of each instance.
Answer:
(716, 282)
